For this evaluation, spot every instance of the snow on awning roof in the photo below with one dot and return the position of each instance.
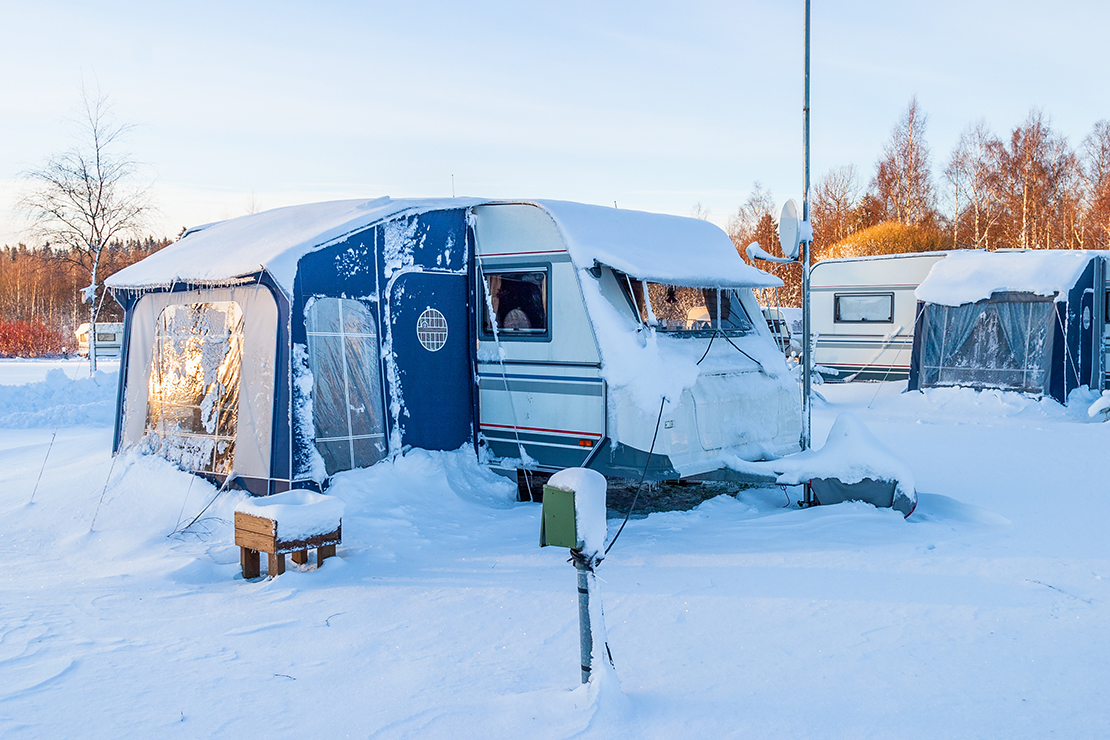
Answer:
(967, 276)
(272, 240)
(654, 246)
(649, 246)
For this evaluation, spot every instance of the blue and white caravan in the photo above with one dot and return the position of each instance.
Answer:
(280, 348)
(1028, 321)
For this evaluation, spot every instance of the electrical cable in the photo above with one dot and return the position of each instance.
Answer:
(757, 362)
(103, 491)
(504, 377)
(711, 338)
(639, 485)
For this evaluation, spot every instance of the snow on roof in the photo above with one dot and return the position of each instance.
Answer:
(272, 240)
(650, 246)
(967, 276)
(654, 246)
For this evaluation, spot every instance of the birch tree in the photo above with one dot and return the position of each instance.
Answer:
(85, 199)
(973, 177)
(834, 204)
(903, 180)
(1096, 182)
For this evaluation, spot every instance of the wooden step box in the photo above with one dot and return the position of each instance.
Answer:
(255, 534)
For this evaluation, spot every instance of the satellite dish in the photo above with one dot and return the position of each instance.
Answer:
(788, 229)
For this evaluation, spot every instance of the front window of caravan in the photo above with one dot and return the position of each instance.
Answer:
(193, 397)
(680, 309)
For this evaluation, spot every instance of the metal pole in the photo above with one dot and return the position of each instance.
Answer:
(807, 354)
(584, 632)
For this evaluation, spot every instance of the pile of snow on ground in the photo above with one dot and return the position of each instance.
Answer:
(59, 401)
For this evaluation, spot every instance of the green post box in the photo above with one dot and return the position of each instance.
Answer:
(558, 526)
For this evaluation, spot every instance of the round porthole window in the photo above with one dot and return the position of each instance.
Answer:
(431, 330)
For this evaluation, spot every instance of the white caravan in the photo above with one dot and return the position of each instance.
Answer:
(109, 339)
(863, 311)
(626, 309)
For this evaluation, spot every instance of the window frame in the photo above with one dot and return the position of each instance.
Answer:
(871, 294)
(350, 437)
(483, 307)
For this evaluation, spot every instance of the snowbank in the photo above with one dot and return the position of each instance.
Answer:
(851, 453)
(967, 276)
(60, 401)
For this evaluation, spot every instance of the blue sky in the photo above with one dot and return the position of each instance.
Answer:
(655, 106)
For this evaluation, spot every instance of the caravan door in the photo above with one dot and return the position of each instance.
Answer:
(432, 391)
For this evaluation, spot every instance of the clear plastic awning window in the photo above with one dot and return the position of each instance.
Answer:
(193, 402)
(990, 344)
(347, 402)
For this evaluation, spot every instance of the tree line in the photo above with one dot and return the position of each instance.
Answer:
(40, 293)
(1029, 189)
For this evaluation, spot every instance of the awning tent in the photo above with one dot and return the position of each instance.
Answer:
(1021, 321)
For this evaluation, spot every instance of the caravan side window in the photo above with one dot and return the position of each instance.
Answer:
(518, 299)
(864, 308)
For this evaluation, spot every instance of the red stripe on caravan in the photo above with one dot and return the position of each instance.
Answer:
(540, 429)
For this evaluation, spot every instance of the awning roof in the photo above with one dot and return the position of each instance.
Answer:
(650, 246)
(968, 276)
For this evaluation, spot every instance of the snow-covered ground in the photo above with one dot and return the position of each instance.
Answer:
(984, 615)
(15, 371)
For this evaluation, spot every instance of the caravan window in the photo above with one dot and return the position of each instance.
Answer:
(861, 308)
(347, 402)
(193, 401)
(682, 309)
(518, 300)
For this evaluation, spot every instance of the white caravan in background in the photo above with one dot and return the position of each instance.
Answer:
(863, 311)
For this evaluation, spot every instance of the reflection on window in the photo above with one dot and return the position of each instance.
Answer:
(863, 308)
(347, 404)
(193, 401)
(681, 309)
(519, 302)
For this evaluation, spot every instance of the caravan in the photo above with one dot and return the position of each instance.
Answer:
(863, 313)
(277, 349)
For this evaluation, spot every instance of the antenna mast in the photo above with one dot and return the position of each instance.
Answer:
(807, 350)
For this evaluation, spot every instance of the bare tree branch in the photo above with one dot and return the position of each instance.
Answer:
(85, 199)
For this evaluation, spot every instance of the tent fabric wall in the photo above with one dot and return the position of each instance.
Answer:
(397, 270)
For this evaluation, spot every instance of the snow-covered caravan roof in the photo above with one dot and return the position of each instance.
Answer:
(649, 246)
(654, 246)
(968, 276)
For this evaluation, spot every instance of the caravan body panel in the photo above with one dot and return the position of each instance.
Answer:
(863, 312)
(540, 388)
